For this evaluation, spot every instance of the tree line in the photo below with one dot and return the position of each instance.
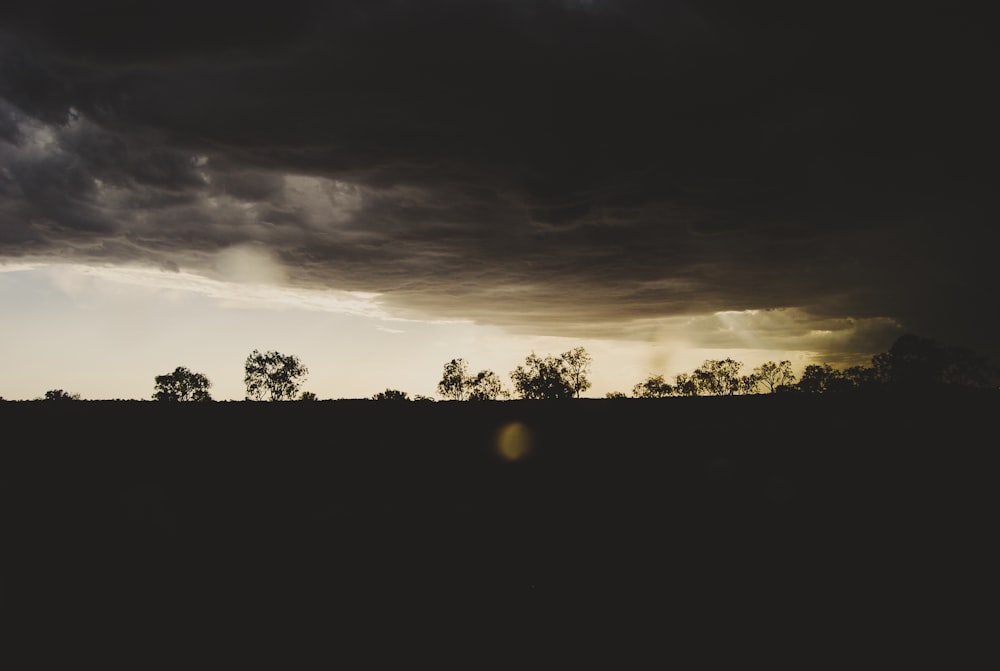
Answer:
(912, 363)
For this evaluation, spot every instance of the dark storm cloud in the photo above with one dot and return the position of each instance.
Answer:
(569, 166)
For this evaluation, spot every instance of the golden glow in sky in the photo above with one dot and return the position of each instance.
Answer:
(106, 332)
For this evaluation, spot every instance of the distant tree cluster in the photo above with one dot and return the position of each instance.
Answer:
(458, 385)
(60, 395)
(551, 377)
(912, 363)
(391, 395)
(268, 376)
(716, 377)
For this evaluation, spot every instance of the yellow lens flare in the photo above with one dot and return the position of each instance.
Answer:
(514, 441)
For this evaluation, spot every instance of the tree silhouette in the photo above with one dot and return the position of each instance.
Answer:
(965, 368)
(576, 364)
(718, 377)
(824, 379)
(181, 385)
(486, 386)
(912, 362)
(856, 378)
(684, 385)
(456, 383)
(454, 380)
(542, 378)
(308, 396)
(770, 376)
(915, 362)
(391, 395)
(653, 386)
(60, 395)
(817, 378)
(272, 375)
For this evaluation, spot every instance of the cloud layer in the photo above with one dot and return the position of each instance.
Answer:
(552, 167)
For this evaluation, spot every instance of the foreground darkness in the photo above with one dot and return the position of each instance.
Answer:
(803, 528)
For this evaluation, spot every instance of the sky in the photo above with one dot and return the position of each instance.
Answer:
(379, 187)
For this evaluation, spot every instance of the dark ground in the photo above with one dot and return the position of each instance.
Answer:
(792, 531)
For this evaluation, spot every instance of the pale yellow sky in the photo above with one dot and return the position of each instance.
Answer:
(106, 332)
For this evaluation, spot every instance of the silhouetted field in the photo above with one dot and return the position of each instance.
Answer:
(740, 527)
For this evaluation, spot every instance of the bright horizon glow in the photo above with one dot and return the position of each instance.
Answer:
(167, 186)
(106, 332)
